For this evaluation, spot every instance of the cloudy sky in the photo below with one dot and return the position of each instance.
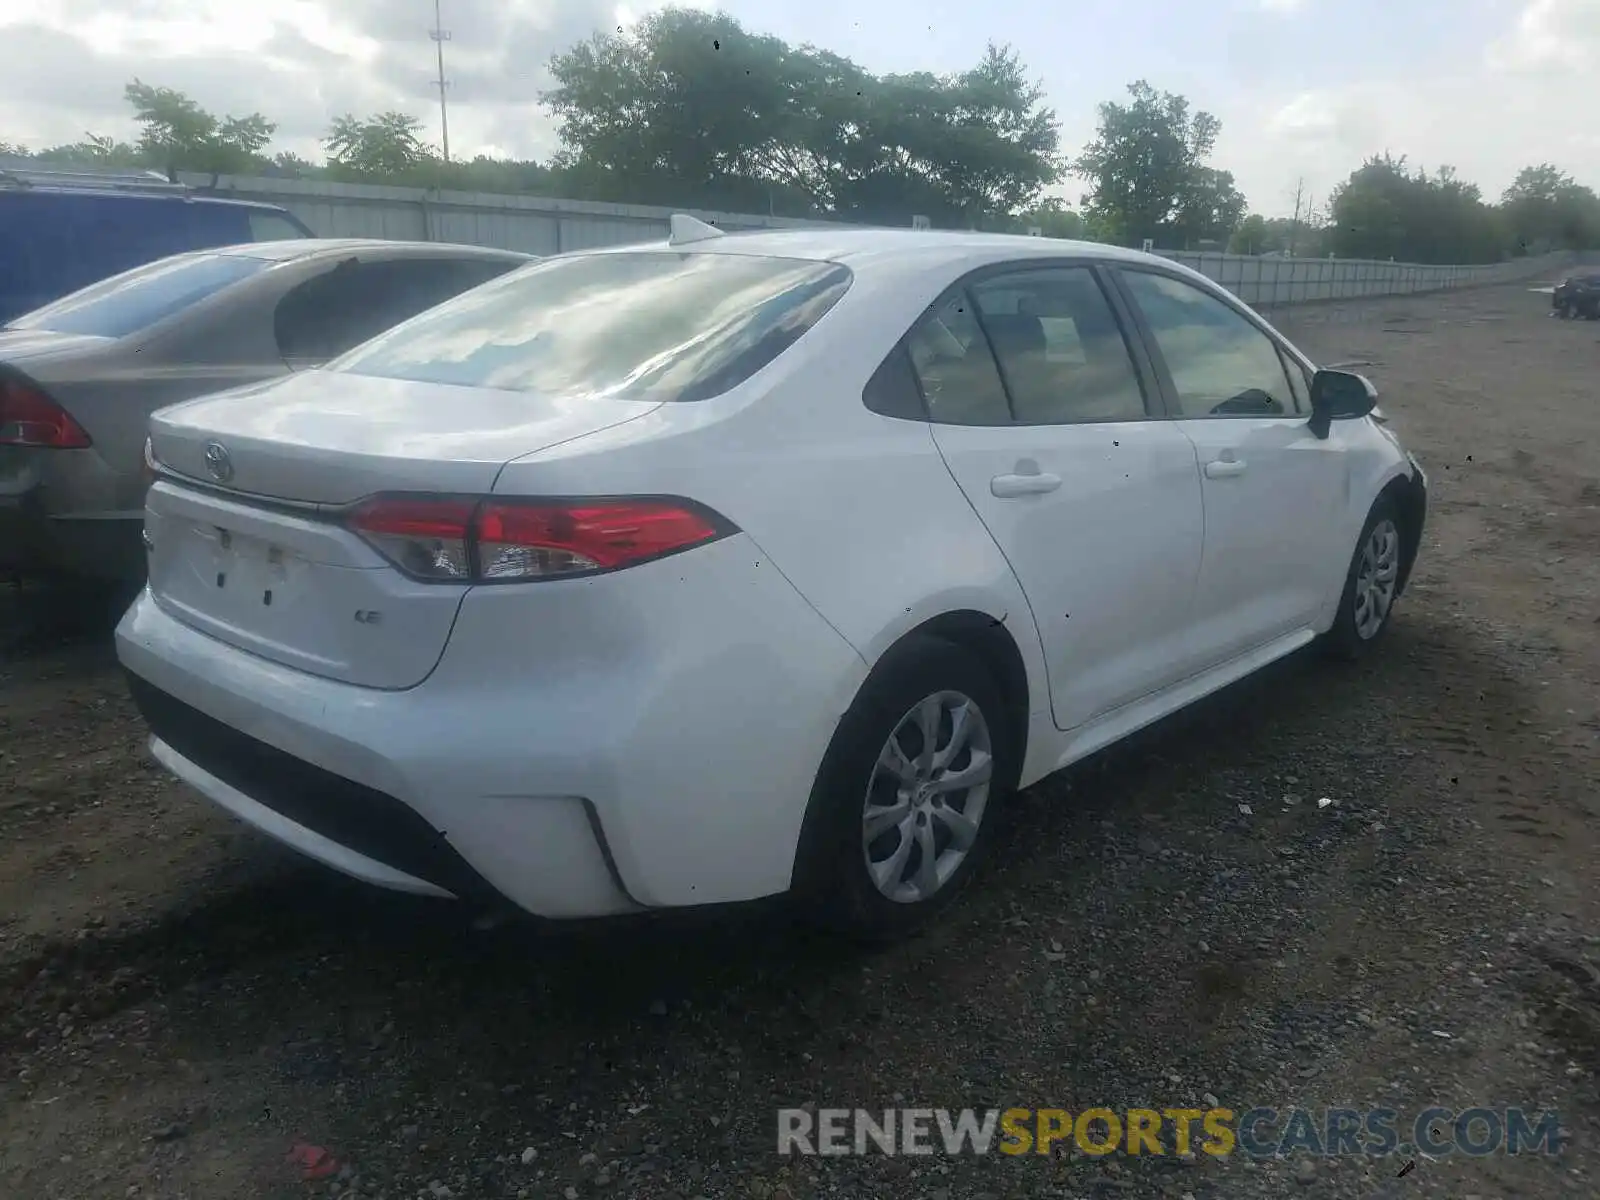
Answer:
(1304, 88)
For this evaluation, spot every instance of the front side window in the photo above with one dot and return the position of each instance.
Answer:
(1299, 384)
(1221, 364)
(137, 299)
(630, 325)
(1060, 348)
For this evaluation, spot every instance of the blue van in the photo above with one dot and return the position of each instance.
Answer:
(63, 230)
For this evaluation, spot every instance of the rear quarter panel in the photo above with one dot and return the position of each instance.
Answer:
(221, 344)
(857, 510)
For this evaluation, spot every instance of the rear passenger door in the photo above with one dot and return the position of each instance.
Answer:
(357, 299)
(1041, 408)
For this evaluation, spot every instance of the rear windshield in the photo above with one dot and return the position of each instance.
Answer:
(636, 325)
(139, 298)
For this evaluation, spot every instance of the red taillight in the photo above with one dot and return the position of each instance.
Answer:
(523, 541)
(501, 541)
(425, 538)
(30, 418)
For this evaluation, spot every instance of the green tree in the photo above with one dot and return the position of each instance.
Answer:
(93, 150)
(290, 165)
(388, 145)
(513, 176)
(1053, 218)
(178, 135)
(1147, 170)
(1210, 207)
(1546, 209)
(689, 107)
(1251, 236)
(1386, 210)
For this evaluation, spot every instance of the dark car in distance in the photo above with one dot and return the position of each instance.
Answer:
(61, 230)
(1577, 295)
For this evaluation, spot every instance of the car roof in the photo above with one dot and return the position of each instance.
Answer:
(292, 249)
(112, 193)
(935, 247)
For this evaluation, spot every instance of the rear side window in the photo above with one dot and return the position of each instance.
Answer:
(207, 225)
(893, 390)
(272, 227)
(955, 367)
(335, 312)
(139, 298)
(633, 325)
(1060, 348)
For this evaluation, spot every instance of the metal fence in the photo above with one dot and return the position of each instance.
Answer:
(531, 224)
(1279, 282)
(542, 225)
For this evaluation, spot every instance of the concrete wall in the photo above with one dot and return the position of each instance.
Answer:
(539, 225)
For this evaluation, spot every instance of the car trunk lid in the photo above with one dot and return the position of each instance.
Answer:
(249, 545)
(331, 438)
(24, 345)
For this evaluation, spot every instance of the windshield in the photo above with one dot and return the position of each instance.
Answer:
(139, 298)
(646, 325)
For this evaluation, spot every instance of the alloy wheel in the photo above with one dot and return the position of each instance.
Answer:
(927, 796)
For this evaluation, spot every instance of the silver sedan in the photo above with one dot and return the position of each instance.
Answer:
(80, 377)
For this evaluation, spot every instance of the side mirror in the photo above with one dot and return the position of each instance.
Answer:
(1339, 396)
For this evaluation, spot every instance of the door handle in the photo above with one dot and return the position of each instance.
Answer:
(1223, 468)
(1006, 486)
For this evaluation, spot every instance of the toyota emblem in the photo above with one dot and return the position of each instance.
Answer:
(219, 464)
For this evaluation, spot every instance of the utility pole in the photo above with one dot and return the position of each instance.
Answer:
(1294, 225)
(440, 36)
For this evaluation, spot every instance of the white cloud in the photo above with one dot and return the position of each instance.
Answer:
(304, 62)
(1550, 35)
(1488, 118)
(300, 62)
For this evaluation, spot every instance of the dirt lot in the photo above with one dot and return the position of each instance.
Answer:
(180, 1004)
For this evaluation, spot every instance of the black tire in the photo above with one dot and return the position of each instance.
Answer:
(833, 884)
(1346, 640)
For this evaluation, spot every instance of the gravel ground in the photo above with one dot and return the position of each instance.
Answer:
(181, 1004)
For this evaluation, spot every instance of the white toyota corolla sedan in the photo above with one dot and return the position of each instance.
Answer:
(738, 565)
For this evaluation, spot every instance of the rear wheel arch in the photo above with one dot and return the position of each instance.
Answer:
(992, 642)
(986, 639)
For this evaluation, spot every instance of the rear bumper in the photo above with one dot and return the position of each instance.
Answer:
(34, 543)
(273, 823)
(62, 512)
(351, 828)
(550, 770)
